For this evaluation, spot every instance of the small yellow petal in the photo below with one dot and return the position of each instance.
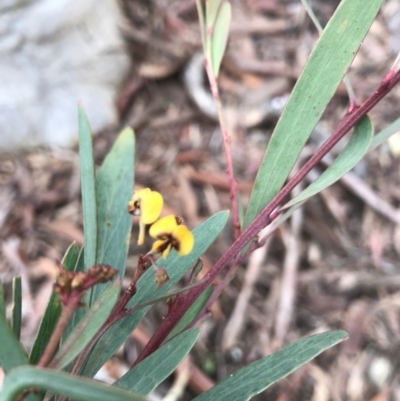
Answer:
(185, 239)
(142, 229)
(166, 225)
(150, 206)
(134, 203)
(138, 195)
(158, 246)
(166, 251)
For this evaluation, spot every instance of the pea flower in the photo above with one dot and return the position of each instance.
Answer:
(147, 204)
(169, 232)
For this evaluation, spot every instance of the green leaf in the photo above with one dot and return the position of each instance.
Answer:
(80, 262)
(212, 10)
(87, 327)
(114, 186)
(16, 306)
(284, 216)
(149, 373)
(88, 188)
(220, 36)
(11, 352)
(315, 87)
(76, 388)
(385, 134)
(202, 22)
(192, 312)
(211, 13)
(176, 266)
(80, 312)
(259, 375)
(2, 301)
(53, 310)
(71, 257)
(347, 159)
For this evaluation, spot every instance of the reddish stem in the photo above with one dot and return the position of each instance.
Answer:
(264, 218)
(118, 313)
(227, 148)
(66, 313)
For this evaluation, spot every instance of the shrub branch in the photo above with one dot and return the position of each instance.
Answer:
(269, 213)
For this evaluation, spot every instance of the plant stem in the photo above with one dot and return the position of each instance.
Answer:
(81, 358)
(120, 311)
(116, 314)
(227, 147)
(66, 313)
(391, 79)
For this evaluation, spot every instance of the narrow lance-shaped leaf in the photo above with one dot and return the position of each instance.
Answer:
(114, 187)
(88, 188)
(202, 21)
(87, 327)
(347, 159)
(149, 373)
(16, 307)
(76, 388)
(333, 172)
(11, 352)
(315, 87)
(53, 310)
(220, 35)
(385, 134)
(192, 312)
(80, 312)
(212, 10)
(259, 375)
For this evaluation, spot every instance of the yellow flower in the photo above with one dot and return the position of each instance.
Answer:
(171, 233)
(147, 204)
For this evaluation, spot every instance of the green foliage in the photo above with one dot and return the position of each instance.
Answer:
(11, 352)
(114, 188)
(176, 266)
(347, 159)
(107, 227)
(79, 389)
(259, 375)
(214, 25)
(385, 134)
(88, 189)
(79, 266)
(354, 151)
(325, 69)
(16, 307)
(110, 228)
(53, 310)
(104, 201)
(87, 327)
(192, 312)
(145, 376)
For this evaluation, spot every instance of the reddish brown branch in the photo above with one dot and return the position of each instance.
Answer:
(267, 214)
(227, 148)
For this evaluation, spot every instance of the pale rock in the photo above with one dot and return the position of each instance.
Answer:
(53, 54)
